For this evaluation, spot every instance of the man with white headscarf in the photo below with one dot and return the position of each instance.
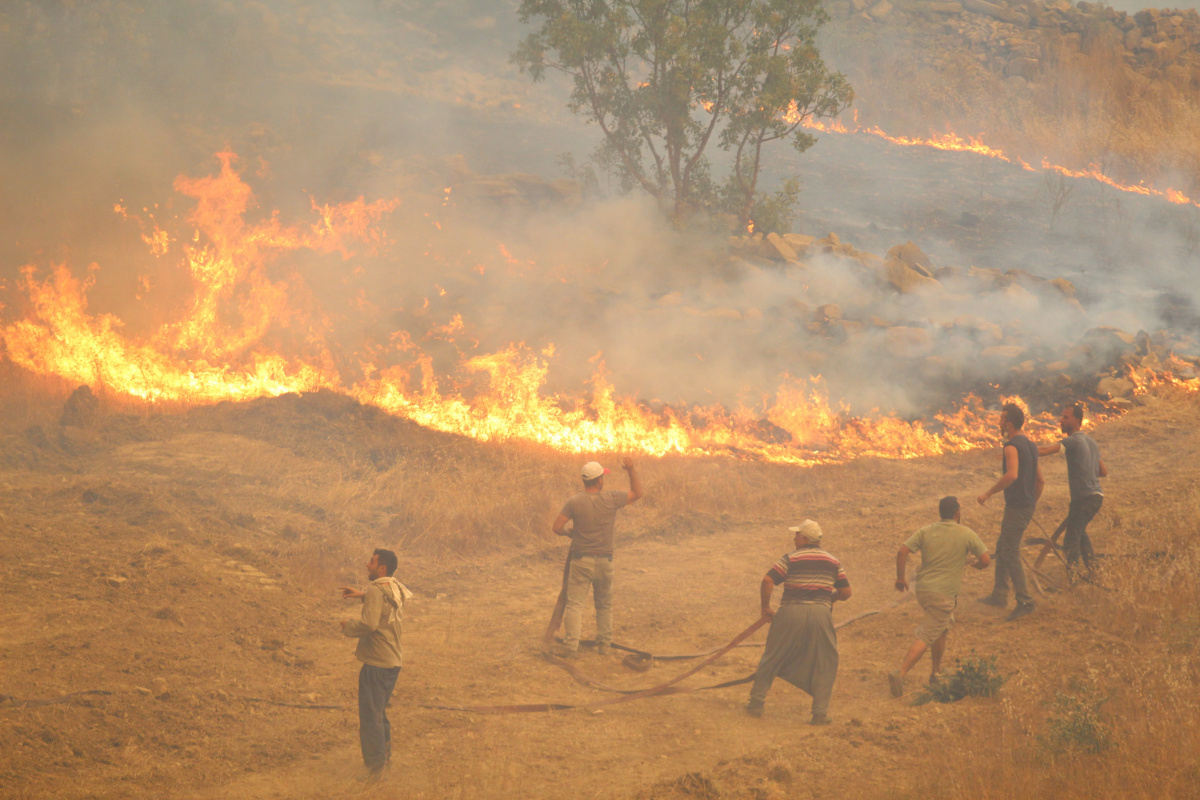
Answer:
(802, 644)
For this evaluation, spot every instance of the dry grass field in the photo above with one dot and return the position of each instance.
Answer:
(177, 572)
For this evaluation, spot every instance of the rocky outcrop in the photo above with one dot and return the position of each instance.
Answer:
(1018, 38)
(903, 307)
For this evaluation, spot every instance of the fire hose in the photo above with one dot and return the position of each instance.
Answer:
(627, 695)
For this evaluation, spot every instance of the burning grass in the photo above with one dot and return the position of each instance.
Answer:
(1090, 111)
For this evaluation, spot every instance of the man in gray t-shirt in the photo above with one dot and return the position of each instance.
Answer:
(1084, 471)
(592, 513)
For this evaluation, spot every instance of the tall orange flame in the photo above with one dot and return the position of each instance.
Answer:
(217, 350)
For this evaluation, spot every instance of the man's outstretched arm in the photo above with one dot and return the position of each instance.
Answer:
(635, 480)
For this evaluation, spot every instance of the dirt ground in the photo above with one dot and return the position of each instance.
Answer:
(162, 565)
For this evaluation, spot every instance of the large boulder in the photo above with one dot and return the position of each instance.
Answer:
(799, 242)
(907, 269)
(776, 248)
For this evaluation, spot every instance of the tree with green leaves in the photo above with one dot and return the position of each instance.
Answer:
(664, 79)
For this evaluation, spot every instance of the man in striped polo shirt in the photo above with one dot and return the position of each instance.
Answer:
(802, 644)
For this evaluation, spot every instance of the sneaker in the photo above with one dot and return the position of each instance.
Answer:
(602, 649)
(755, 708)
(992, 600)
(1022, 609)
(896, 684)
(820, 719)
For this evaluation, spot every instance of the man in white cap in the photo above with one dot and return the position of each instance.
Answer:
(592, 513)
(802, 644)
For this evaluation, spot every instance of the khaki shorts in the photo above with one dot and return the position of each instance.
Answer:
(939, 615)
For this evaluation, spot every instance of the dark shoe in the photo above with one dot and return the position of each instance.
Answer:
(1022, 609)
(373, 775)
(602, 649)
(992, 600)
(754, 708)
(562, 651)
(896, 684)
(820, 719)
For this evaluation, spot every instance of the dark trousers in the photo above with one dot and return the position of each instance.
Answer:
(1075, 540)
(375, 685)
(1008, 553)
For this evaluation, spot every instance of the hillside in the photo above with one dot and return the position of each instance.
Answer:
(171, 578)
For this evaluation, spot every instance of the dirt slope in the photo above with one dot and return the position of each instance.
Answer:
(181, 565)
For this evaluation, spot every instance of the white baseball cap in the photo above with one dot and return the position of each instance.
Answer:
(593, 470)
(809, 528)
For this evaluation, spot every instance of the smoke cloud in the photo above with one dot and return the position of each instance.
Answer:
(107, 103)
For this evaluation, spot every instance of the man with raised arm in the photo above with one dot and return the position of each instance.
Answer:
(378, 632)
(802, 644)
(592, 514)
(945, 547)
(1085, 468)
(1022, 484)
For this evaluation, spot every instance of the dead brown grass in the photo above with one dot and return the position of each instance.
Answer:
(1087, 107)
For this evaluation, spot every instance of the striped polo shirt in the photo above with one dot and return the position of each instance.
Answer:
(808, 575)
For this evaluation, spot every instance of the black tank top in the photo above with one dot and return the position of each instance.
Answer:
(1022, 491)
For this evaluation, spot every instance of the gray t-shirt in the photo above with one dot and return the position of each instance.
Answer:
(594, 514)
(1083, 465)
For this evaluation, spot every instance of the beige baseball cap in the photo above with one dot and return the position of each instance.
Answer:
(593, 470)
(809, 529)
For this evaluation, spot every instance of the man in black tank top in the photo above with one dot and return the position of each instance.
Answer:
(1022, 484)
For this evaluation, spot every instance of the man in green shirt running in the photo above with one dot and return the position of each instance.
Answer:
(945, 548)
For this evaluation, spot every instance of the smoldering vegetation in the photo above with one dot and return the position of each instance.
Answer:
(487, 250)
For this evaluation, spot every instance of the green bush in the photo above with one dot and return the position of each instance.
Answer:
(973, 677)
(1075, 723)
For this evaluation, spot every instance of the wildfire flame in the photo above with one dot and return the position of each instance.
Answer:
(972, 144)
(224, 346)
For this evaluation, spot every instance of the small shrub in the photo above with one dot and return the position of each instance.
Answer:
(1075, 723)
(973, 677)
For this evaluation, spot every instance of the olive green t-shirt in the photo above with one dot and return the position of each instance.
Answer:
(944, 547)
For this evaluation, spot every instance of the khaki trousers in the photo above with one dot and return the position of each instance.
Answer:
(596, 573)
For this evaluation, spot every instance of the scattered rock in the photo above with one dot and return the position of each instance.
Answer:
(906, 278)
(908, 342)
(776, 248)
(829, 311)
(1063, 285)
(880, 10)
(799, 242)
(1006, 352)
